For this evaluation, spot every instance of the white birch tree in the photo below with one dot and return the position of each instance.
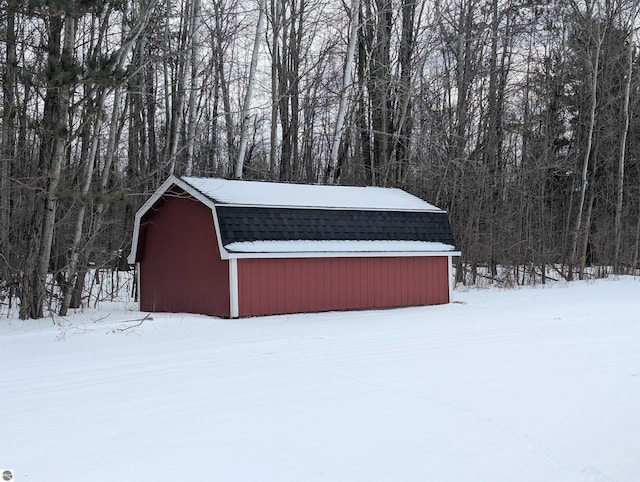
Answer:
(246, 107)
(346, 85)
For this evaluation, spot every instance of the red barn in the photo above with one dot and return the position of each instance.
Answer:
(245, 248)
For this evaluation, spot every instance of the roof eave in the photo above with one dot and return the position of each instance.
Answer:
(341, 254)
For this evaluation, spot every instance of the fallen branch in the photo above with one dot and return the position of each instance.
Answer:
(103, 318)
(564, 276)
(139, 320)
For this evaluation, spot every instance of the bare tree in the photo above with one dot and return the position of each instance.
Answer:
(7, 152)
(244, 131)
(623, 142)
(193, 91)
(56, 122)
(346, 84)
(594, 62)
(89, 170)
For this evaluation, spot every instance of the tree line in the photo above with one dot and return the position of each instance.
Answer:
(520, 118)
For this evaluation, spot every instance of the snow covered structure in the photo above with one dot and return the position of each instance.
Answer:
(242, 248)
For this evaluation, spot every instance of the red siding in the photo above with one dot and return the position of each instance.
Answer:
(267, 286)
(180, 265)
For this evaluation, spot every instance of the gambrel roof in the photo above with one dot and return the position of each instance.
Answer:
(255, 218)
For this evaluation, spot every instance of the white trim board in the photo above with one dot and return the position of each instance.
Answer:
(337, 245)
(450, 275)
(234, 311)
(345, 254)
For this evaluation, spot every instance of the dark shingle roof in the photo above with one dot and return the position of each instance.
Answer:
(244, 223)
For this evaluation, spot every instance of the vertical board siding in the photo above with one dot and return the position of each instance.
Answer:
(268, 286)
(180, 265)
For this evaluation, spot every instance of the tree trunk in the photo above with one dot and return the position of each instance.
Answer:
(218, 60)
(295, 44)
(401, 141)
(346, 83)
(365, 35)
(7, 150)
(74, 257)
(276, 19)
(635, 266)
(284, 97)
(102, 203)
(584, 247)
(59, 92)
(228, 116)
(193, 92)
(621, 160)
(178, 93)
(244, 131)
(595, 63)
(379, 89)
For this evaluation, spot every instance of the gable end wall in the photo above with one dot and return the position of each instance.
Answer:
(180, 265)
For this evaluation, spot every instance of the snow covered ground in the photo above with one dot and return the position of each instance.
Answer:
(526, 385)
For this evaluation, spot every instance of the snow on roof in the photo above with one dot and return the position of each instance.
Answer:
(305, 246)
(260, 193)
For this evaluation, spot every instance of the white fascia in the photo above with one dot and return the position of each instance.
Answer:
(344, 254)
(224, 254)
